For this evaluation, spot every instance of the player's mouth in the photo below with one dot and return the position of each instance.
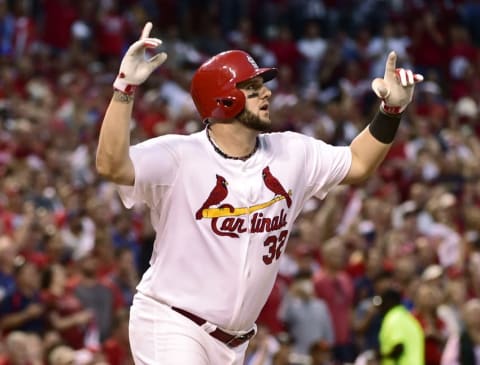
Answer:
(264, 108)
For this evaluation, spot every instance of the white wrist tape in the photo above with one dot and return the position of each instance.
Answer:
(121, 85)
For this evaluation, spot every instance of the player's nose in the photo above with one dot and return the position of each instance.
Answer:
(266, 92)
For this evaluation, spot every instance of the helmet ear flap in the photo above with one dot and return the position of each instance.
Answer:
(230, 106)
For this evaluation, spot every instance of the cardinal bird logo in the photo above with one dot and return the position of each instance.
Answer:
(217, 195)
(274, 185)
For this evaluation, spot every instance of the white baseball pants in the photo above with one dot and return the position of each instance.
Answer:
(161, 336)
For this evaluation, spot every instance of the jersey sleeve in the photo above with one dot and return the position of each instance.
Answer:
(325, 166)
(156, 164)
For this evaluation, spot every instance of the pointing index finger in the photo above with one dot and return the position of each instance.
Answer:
(146, 30)
(391, 64)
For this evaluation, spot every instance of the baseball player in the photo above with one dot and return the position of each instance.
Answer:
(223, 200)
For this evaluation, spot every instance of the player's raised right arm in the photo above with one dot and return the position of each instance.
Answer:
(112, 160)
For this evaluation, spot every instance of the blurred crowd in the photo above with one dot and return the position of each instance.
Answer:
(389, 267)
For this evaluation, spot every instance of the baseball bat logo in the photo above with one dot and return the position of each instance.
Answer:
(226, 220)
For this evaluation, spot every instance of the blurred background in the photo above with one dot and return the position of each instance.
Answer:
(70, 255)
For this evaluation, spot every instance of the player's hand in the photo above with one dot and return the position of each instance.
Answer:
(135, 67)
(396, 87)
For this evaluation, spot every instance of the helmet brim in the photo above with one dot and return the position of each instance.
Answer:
(267, 74)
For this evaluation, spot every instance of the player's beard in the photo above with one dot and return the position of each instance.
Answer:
(252, 121)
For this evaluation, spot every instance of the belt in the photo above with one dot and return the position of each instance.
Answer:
(227, 338)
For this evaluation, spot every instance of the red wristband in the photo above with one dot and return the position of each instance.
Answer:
(389, 109)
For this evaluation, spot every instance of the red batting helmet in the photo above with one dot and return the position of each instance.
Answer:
(214, 85)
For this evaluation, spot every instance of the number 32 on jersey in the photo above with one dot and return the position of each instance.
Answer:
(275, 245)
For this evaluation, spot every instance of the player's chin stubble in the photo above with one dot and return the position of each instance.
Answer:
(252, 121)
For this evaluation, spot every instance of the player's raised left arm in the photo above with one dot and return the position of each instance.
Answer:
(370, 147)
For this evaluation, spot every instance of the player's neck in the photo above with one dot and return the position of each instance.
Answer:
(233, 140)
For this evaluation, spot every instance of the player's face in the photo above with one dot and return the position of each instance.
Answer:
(256, 114)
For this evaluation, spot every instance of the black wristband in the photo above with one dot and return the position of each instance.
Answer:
(384, 127)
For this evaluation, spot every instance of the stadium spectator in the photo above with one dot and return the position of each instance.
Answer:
(306, 317)
(117, 348)
(333, 285)
(427, 301)
(464, 348)
(63, 311)
(95, 296)
(7, 266)
(23, 310)
(401, 336)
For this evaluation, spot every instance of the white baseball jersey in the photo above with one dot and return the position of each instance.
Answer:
(222, 224)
